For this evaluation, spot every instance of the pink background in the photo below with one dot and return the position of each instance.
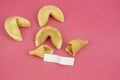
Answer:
(95, 20)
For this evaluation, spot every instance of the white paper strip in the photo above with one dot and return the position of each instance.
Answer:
(59, 59)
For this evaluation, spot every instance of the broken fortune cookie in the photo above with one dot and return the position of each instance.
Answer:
(41, 50)
(75, 45)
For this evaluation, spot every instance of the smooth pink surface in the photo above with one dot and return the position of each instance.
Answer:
(95, 20)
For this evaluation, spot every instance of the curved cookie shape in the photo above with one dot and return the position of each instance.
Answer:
(75, 45)
(50, 10)
(40, 51)
(51, 32)
(12, 25)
